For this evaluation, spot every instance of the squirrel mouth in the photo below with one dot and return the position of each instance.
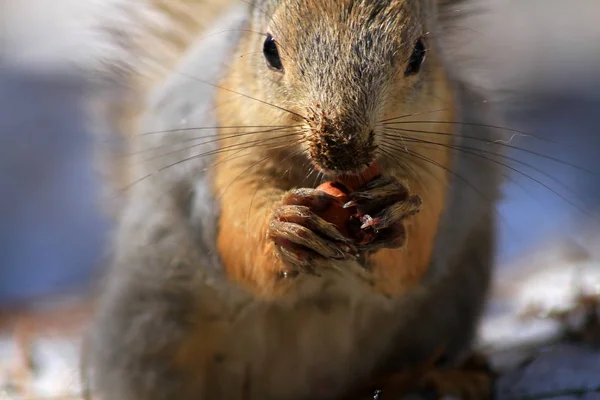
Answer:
(360, 176)
(348, 159)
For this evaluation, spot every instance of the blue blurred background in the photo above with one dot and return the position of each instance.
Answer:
(51, 231)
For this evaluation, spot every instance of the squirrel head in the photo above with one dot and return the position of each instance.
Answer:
(341, 69)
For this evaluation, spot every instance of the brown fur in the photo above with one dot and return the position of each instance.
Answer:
(170, 325)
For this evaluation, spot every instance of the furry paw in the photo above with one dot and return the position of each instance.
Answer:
(302, 236)
(382, 205)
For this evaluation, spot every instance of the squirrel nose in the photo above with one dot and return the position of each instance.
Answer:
(341, 152)
(338, 141)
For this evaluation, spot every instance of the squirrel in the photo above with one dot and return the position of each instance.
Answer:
(226, 283)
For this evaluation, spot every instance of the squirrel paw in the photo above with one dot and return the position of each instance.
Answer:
(383, 204)
(301, 236)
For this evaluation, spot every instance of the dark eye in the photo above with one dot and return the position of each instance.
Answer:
(272, 54)
(416, 59)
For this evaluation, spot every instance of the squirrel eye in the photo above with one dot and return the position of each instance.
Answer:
(272, 54)
(416, 59)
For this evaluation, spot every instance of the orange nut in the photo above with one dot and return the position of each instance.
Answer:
(336, 213)
(354, 182)
(347, 220)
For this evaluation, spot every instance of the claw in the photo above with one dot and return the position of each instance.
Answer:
(302, 215)
(367, 221)
(316, 200)
(381, 181)
(394, 213)
(350, 204)
(392, 237)
(303, 236)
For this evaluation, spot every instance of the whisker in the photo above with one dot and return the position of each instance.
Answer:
(382, 122)
(523, 163)
(516, 132)
(578, 167)
(217, 137)
(245, 145)
(312, 171)
(204, 154)
(225, 149)
(213, 127)
(504, 175)
(462, 149)
(232, 156)
(288, 145)
(241, 94)
(428, 160)
(465, 181)
(255, 5)
(232, 30)
(405, 166)
(249, 53)
(287, 171)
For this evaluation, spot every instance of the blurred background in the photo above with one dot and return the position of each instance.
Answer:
(543, 56)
